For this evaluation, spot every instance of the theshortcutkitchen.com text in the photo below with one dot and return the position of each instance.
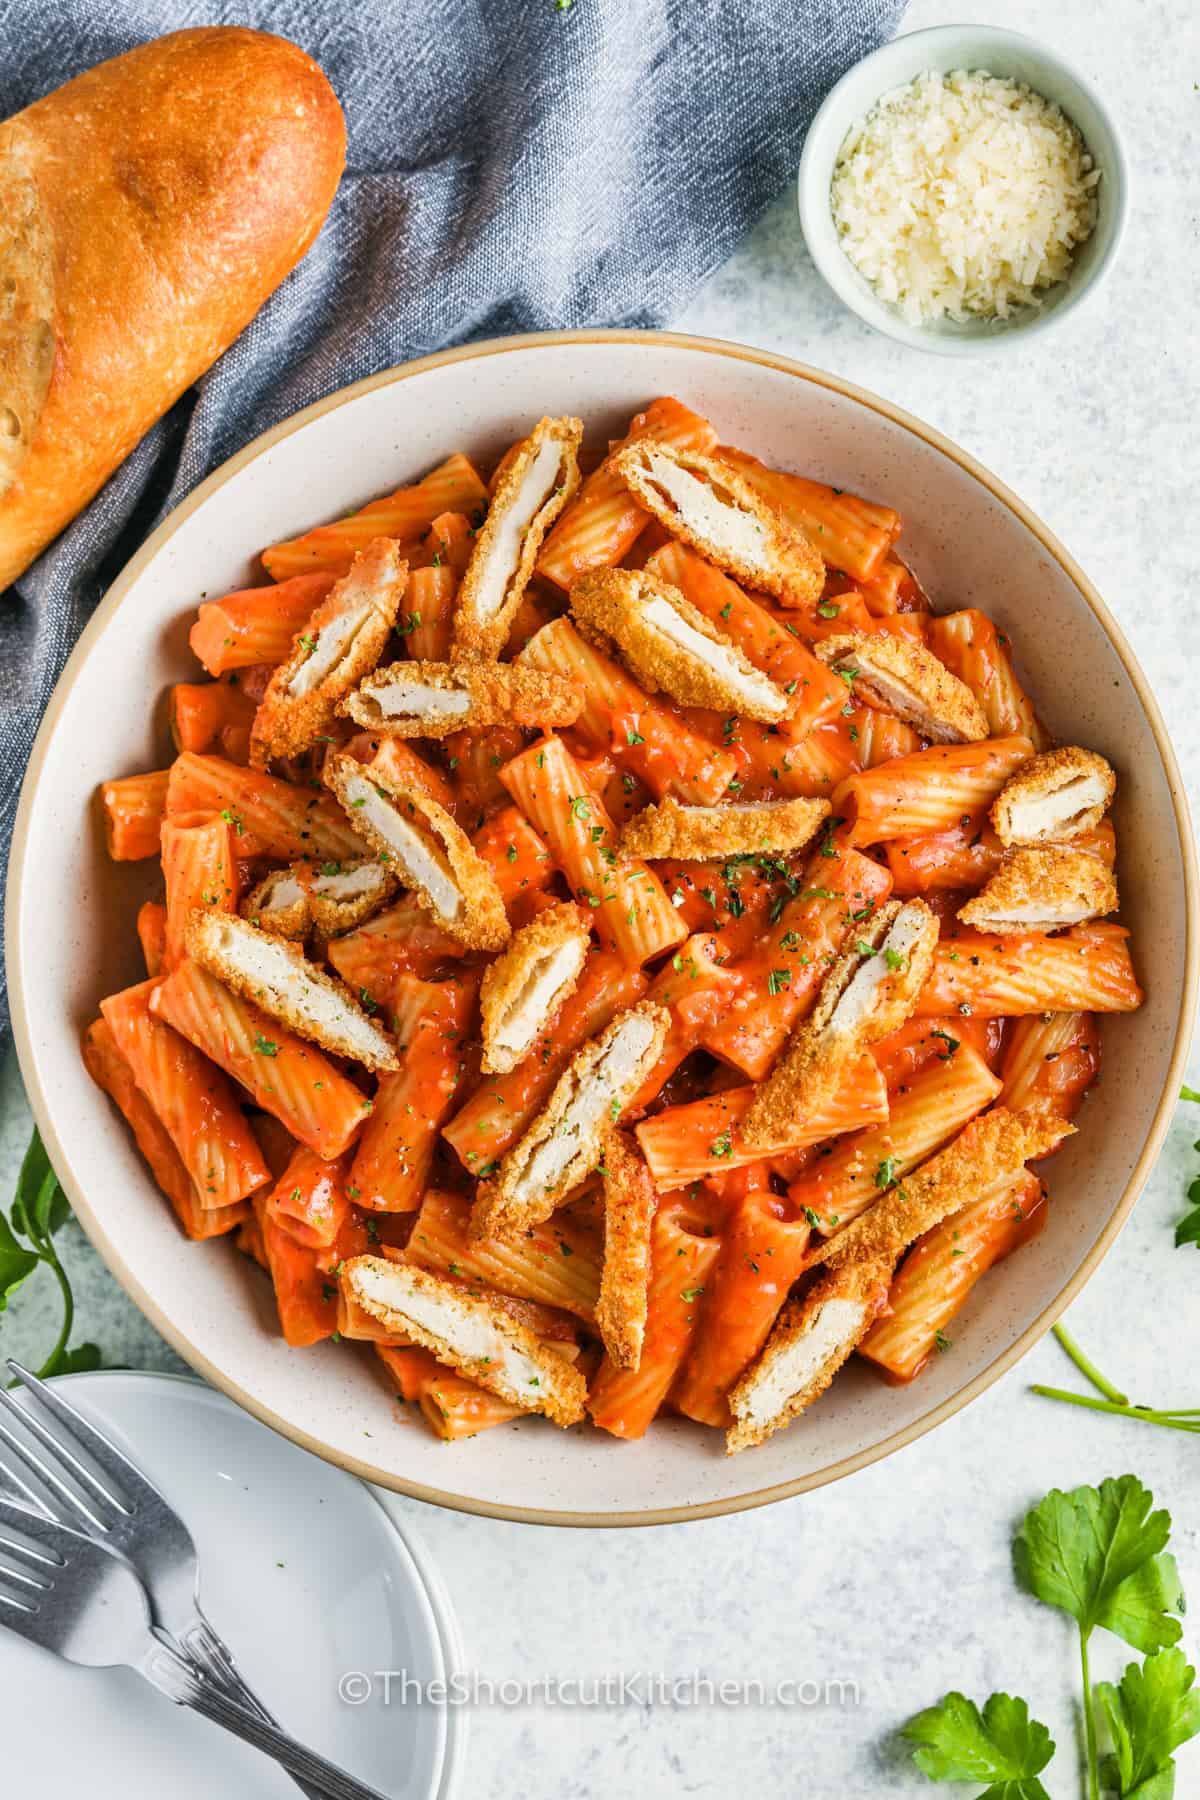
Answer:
(611, 1689)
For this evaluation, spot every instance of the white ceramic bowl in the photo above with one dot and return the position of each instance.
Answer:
(945, 48)
(71, 937)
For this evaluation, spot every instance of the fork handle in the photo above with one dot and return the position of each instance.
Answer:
(212, 1656)
(175, 1678)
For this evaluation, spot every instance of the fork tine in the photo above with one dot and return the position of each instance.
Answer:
(20, 1490)
(45, 1472)
(87, 1438)
(28, 1554)
(17, 1605)
(19, 1575)
(46, 1532)
(62, 1442)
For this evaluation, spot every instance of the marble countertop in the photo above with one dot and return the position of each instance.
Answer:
(896, 1582)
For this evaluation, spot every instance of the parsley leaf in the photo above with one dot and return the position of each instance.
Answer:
(1150, 1713)
(39, 1210)
(1097, 1553)
(16, 1262)
(1001, 1745)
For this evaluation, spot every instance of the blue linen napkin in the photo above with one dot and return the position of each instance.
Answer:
(514, 165)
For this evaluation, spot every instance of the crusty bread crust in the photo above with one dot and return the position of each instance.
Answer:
(1047, 773)
(560, 1391)
(609, 608)
(906, 678)
(500, 1208)
(630, 1201)
(370, 1045)
(862, 1285)
(26, 306)
(700, 833)
(286, 724)
(481, 923)
(1042, 889)
(498, 694)
(783, 563)
(997, 1143)
(820, 1052)
(483, 632)
(176, 186)
(504, 979)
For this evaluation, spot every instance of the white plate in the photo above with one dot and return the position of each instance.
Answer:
(71, 938)
(305, 1575)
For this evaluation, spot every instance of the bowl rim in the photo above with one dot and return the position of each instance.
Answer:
(75, 1187)
(839, 275)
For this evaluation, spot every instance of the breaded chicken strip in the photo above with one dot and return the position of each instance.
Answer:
(342, 642)
(995, 1144)
(430, 699)
(814, 1335)
(327, 898)
(670, 646)
(473, 1332)
(630, 1202)
(538, 478)
(566, 1140)
(416, 837)
(871, 988)
(907, 679)
(279, 978)
(525, 986)
(738, 828)
(1054, 795)
(1042, 890)
(708, 504)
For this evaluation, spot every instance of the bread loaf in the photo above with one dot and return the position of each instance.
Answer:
(147, 209)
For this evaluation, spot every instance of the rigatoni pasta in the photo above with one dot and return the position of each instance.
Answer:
(648, 918)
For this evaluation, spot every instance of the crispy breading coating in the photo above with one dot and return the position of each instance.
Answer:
(708, 504)
(669, 644)
(325, 898)
(995, 1144)
(1053, 796)
(814, 1335)
(277, 977)
(630, 1201)
(416, 837)
(909, 680)
(566, 1140)
(526, 985)
(736, 828)
(474, 1332)
(870, 989)
(1043, 889)
(342, 642)
(430, 699)
(537, 479)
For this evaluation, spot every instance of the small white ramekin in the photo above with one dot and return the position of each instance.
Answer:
(945, 48)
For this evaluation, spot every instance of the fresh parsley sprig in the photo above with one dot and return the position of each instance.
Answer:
(38, 1211)
(1100, 1555)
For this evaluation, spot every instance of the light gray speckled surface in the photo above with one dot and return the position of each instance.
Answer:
(897, 1580)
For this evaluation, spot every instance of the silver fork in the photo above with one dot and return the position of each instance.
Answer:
(76, 1597)
(136, 1520)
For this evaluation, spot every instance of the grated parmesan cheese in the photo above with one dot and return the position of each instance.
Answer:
(963, 196)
